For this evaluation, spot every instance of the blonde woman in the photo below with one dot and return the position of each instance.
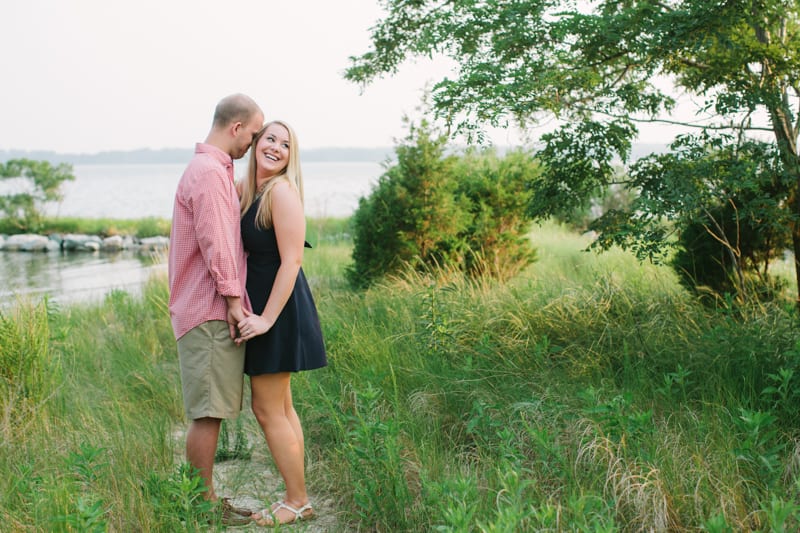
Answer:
(282, 333)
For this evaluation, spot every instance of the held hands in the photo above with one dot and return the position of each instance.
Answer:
(235, 314)
(251, 326)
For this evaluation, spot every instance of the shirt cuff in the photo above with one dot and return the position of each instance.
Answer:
(229, 288)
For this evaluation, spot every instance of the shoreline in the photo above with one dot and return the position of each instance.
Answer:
(76, 242)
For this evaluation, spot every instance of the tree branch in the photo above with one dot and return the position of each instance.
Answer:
(675, 122)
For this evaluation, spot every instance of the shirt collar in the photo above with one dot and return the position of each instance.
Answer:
(224, 158)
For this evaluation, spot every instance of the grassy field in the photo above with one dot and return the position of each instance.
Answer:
(590, 393)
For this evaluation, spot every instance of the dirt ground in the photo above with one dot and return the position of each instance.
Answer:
(252, 484)
(255, 484)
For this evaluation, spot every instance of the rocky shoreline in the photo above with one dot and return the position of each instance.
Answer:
(30, 242)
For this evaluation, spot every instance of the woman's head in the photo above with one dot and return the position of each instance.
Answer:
(274, 155)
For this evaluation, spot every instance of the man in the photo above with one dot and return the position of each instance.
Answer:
(207, 275)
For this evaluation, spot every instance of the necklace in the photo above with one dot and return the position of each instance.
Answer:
(261, 188)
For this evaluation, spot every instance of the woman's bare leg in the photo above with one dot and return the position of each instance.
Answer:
(272, 406)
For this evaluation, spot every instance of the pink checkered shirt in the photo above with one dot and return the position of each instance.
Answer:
(206, 258)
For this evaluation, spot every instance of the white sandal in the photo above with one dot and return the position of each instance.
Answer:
(298, 514)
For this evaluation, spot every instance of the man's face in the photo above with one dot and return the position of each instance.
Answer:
(245, 134)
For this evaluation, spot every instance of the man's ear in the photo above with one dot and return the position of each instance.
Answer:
(235, 128)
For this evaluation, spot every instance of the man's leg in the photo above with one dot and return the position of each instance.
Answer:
(201, 447)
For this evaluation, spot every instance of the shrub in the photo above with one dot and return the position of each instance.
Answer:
(461, 213)
(496, 189)
(412, 214)
(728, 253)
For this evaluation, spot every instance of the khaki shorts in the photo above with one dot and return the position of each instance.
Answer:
(212, 371)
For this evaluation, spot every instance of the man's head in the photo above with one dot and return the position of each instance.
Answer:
(237, 119)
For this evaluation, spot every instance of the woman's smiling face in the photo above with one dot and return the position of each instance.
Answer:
(273, 150)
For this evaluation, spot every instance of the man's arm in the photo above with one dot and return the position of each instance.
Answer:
(218, 234)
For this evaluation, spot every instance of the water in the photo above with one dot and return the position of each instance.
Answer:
(74, 277)
(332, 189)
(135, 191)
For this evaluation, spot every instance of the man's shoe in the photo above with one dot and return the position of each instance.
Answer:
(229, 515)
(226, 504)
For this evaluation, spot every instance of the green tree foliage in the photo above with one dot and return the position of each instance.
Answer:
(726, 196)
(594, 66)
(466, 212)
(40, 183)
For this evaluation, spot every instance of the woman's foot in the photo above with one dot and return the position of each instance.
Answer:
(281, 513)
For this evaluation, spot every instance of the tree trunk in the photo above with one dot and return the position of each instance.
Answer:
(786, 136)
(796, 250)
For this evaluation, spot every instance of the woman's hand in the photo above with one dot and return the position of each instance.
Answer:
(251, 326)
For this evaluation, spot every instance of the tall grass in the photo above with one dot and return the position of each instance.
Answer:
(81, 458)
(590, 393)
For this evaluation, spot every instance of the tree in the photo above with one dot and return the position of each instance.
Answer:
(41, 183)
(593, 65)
(726, 196)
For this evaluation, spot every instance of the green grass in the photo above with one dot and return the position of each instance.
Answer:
(142, 228)
(590, 393)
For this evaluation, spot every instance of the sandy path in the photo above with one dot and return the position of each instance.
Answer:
(254, 484)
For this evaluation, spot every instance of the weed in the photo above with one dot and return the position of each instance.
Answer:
(375, 453)
(179, 499)
(758, 446)
(233, 446)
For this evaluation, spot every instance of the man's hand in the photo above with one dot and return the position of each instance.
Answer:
(235, 314)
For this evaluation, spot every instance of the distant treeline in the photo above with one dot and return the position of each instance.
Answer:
(182, 155)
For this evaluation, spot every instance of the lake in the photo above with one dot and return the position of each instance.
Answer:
(332, 189)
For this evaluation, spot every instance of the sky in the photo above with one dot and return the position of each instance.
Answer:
(85, 76)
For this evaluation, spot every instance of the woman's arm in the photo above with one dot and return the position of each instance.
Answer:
(290, 230)
(289, 222)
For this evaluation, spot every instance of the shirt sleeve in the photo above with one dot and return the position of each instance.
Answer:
(216, 210)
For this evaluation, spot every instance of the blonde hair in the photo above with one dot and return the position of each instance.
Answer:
(291, 174)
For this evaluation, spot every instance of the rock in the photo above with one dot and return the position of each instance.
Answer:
(26, 242)
(73, 242)
(114, 243)
(155, 243)
(80, 243)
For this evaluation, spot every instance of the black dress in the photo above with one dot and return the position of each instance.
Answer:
(294, 342)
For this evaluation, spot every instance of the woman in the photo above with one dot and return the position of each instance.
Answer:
(283, 333)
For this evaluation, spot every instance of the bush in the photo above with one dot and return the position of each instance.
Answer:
(496, 238)
(464, 213)
(412, 215)
(704, 261)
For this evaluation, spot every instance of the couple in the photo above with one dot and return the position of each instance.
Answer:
(239, 301)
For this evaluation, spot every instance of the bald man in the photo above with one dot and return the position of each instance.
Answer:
(207, 275)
